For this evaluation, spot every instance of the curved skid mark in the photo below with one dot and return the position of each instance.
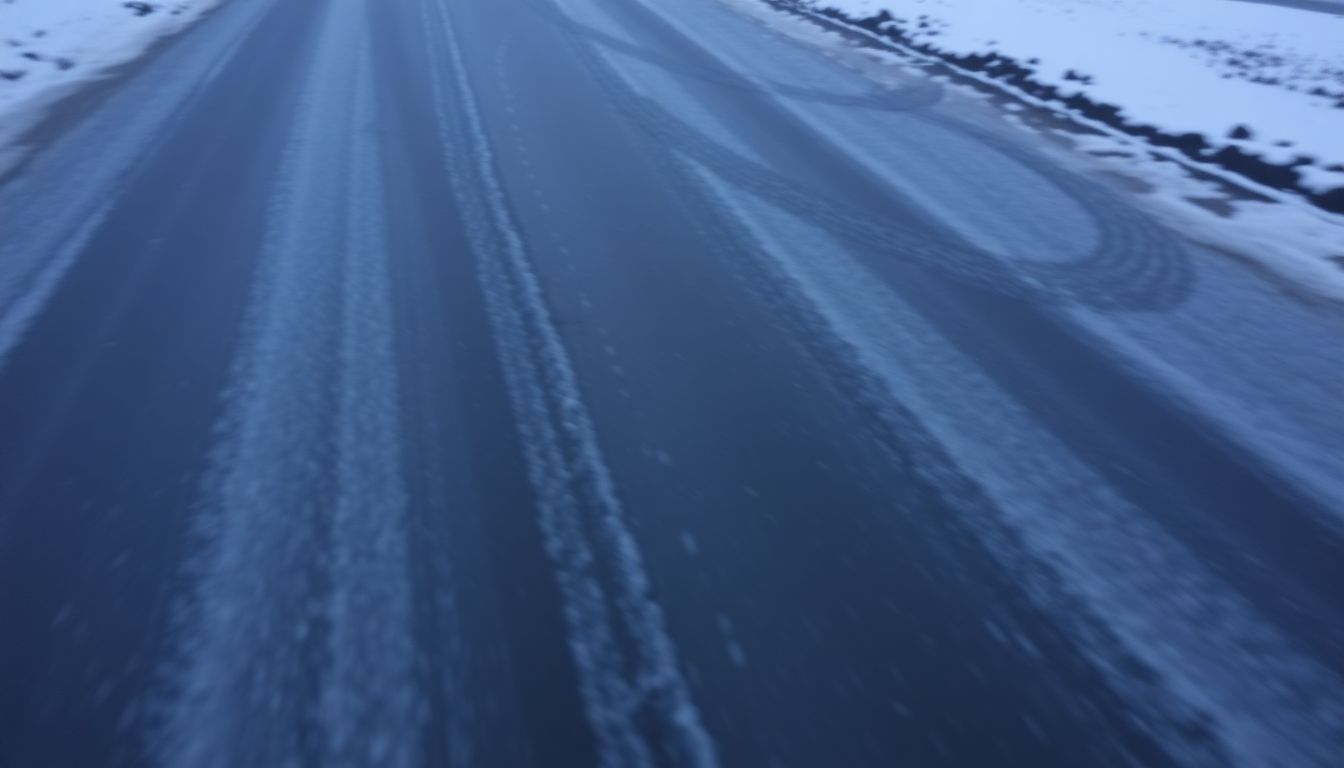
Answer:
(1137, 265)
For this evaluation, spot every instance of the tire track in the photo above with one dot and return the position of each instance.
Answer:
(635, 697)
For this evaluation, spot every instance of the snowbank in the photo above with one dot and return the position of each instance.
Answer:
(1235, 83)
(48, 47)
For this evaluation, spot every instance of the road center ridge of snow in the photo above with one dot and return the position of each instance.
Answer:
(627, 665)
(303, 519)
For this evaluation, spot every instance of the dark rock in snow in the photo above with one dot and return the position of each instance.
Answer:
(1240, 132)
(1332, 200)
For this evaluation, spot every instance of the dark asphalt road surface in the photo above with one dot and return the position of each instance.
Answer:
(623, 383)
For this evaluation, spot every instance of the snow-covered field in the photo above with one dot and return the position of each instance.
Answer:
(50, 47)
(1246, 79)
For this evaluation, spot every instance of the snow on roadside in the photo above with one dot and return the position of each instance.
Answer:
(1248, 79)
(1285, 237)
(50, 47)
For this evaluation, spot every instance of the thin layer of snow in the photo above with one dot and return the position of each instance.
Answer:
(1264, 701)
(50, 47)
(1194, 66)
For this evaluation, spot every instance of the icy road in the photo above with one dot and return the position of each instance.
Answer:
(621, 383)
